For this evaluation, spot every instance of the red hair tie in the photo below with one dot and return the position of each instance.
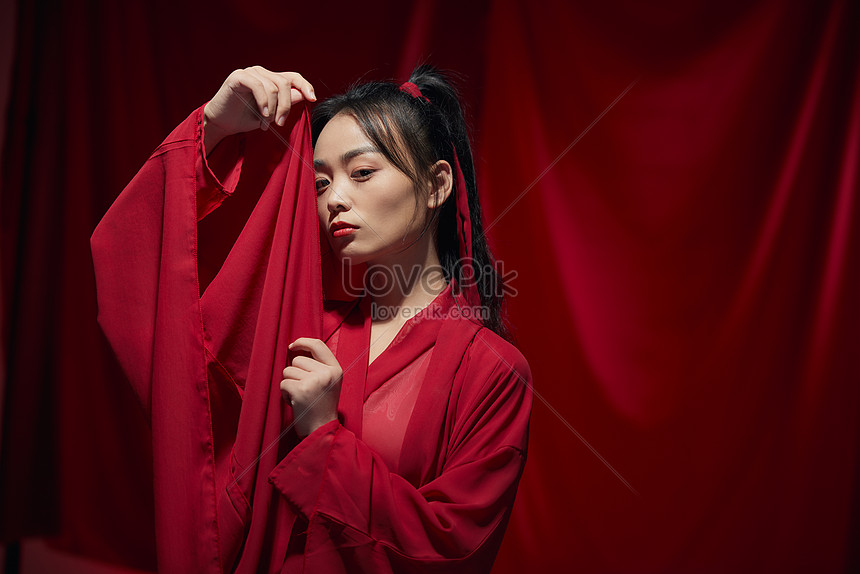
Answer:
(413, 90)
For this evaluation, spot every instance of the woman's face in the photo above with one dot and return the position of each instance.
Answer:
(358, 186)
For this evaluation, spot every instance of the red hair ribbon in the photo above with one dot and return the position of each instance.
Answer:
(413, 90)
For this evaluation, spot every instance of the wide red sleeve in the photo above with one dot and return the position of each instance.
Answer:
(144, 240)
(363, 516)
(212, 497)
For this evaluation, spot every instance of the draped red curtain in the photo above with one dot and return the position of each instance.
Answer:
(673, 189)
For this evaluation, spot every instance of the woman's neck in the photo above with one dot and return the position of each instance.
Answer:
(405, 282)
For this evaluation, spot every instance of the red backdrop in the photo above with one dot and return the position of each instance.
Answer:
(687, 265)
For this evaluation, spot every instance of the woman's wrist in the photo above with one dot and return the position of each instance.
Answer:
(308, 430)
(212, 135)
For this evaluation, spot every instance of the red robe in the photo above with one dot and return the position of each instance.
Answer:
(419, 472)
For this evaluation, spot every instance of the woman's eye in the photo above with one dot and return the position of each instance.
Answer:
(362, 173)
(321, 185)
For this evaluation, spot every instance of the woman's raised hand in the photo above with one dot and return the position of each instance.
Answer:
(252, 98)
(312, 385)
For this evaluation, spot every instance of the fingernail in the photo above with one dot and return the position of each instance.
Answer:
(313, 95)
(266, 111)
(282, 120)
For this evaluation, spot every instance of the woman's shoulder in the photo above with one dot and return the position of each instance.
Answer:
(492, 367)
(490, 348)
(495, 388)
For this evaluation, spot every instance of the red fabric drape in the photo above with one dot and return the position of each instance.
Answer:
(685, 272)
(206, 367)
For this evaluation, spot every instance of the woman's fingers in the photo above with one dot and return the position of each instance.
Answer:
(253, 83)
(292, 88)
(311, 365)
(317, 349)
(307, 377)
(294, 373)
(284, 98)
(282, 89)
(303, 86)
(311, 385)
(270, 95)
(252, 98)
(316, 373)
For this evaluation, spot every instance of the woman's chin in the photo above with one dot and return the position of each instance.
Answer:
(350, 257)
(352, 254)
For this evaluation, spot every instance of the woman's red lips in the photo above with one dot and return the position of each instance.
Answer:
(339, 228)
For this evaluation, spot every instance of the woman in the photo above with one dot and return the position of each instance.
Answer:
(400, 434)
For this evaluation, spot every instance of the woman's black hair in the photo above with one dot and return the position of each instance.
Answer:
(413, 135)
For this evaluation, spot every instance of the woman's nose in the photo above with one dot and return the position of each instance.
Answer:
(336, 200)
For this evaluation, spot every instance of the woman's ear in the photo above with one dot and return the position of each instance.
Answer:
(443, 184)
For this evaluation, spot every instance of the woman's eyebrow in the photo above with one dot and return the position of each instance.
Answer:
(353, 153)
(357, 152)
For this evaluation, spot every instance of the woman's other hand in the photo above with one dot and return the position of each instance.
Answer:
(252, 98)
(312, 385)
